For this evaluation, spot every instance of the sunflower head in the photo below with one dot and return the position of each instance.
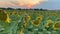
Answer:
(56, 26)
(35, 23)
(27, 17)
(49, 23)
(25, 24)
(39, 17)
(14, 13)
(7, 19)
(4, 16)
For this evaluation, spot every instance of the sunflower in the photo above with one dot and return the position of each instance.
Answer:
(37, 21)
(27, 17)
(14, 13)
(21, 32)
(56, 25)
(39, 17)
(4, 16)
(49, 23)
(25, 24)
(7, 19)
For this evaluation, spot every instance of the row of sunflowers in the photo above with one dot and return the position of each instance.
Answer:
(33, 22)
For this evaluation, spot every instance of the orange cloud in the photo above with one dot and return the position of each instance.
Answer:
(23, 3)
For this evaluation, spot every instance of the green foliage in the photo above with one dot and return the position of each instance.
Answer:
(17, 21)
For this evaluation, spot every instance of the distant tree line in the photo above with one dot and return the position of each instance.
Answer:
(6, 8)
(22, 9)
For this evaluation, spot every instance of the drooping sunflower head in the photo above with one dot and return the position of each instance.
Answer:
(39, 17)
(25, 24)
(56, 26)
(35, 22)
(4, 16)
(27, 17)
(49, 23)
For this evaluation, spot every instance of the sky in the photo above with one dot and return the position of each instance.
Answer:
(50, 4)
(45, 4)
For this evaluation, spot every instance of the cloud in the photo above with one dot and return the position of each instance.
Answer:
(20, 3)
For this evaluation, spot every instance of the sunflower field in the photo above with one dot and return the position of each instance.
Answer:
(29, 22)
